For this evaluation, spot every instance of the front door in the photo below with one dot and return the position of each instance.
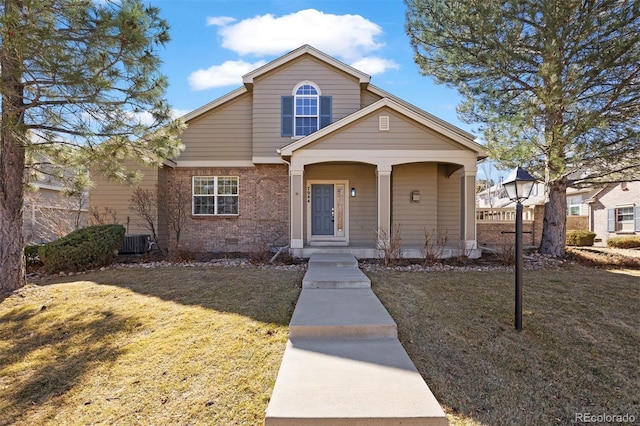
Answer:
(322, 209)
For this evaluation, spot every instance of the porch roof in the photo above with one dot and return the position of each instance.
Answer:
(464, 139)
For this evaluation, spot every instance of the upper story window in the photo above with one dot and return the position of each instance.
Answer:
(574, 206)
(305, 111)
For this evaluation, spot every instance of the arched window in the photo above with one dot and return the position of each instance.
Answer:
(305, 111)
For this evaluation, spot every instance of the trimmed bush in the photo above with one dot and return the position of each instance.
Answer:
(624, 242)
(31, 255)
(83, 249)
(580, 238)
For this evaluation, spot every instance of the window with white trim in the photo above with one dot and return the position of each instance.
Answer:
(574, 206)
(304, 111)
(215, 195)
(624, 219)
(307, 110)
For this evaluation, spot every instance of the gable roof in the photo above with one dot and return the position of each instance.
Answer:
(211, 105)
(433, 123)
(248, 78)
(363, 78)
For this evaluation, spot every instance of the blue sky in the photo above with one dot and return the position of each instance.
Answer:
(215, 42)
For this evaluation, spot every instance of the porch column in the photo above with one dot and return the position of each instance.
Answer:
(469, 209)
(297, 200)
(384, 201)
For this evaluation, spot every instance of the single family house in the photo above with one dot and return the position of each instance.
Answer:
(614, 211)
(309, 155)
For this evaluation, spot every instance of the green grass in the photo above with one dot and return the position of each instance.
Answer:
(203, 345)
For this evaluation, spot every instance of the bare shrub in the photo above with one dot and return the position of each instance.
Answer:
(506, 255)
(144, 203)
(435, 243)
(176, 202)
(388, 245)
(463, 253)
(105, 217)
(263, 247)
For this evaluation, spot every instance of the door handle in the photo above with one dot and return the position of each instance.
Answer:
(333, 214)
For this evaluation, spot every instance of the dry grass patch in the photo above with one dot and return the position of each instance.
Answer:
(143, 346)
(578, 351)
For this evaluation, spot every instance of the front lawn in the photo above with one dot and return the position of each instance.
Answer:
(202, 345)
(136, 346)
(578, 352)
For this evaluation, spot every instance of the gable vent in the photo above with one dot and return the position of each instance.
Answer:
(383, 123)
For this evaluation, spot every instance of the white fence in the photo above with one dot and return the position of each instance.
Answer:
(503, 214)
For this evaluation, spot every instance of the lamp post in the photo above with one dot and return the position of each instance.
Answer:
(518, 186)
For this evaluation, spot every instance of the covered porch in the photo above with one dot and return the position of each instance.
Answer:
(386, 174)
(425, 207)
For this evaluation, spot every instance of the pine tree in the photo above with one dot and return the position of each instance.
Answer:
(553, 84)
(80, 86)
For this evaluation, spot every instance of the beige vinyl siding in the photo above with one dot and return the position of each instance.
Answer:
(222, 134)
(414, 218)
(116, 197)
(404, 134)
(269, 89)
(367, 98)
(362, 208)
(449, 203)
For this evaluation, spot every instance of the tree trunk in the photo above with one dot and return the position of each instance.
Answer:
(555, 220)
(12, 153)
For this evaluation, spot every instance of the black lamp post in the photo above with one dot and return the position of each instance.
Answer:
(519, 185)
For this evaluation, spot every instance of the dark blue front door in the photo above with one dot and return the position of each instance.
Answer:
(322, 209)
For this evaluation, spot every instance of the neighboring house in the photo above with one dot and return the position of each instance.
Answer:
(49, 213)
(614, 211)
(308, 154)
(496, 197)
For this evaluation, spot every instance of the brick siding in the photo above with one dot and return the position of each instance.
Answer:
(263, 218)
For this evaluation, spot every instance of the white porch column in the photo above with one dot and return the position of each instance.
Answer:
(383, 174)
(469, 210)
(297, 199)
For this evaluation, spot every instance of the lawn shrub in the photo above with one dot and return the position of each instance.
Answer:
(83, 249)
(580, 238)
(624, 242)
(31, 255)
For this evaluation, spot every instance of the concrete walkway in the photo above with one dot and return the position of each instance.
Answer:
(344, 364)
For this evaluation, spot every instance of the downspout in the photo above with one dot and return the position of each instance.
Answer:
(290, 230)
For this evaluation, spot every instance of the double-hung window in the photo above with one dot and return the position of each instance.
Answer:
(624, 219)
(215, 195)
(305, 111)
(574, 205)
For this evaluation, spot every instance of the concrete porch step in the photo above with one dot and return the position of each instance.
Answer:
(341, 313)
(332, 260)
(350, 382)
(334, 270)
(336, 278)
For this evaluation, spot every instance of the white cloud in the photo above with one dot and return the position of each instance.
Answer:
(350, 38)
(346, 36)
(219, 21)
(373, 65)
(227, 74)
(177, 113)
